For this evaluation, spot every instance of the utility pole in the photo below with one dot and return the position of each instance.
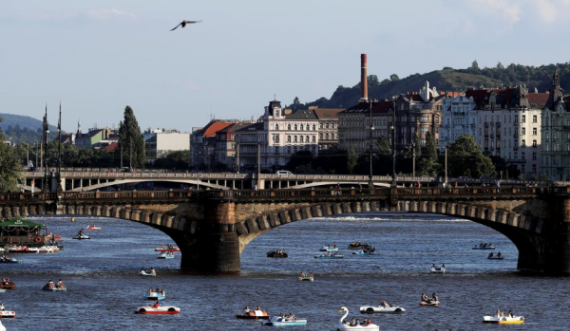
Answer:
(59, 185)
(370, 181)
(237, 157)
(394, 143)
(37, 152)
(45, 187)
(445, 166)
(413, 161)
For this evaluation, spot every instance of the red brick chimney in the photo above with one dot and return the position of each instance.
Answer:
(363, 77)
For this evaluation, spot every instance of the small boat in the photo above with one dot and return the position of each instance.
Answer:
(155, 295)
(382, 309)
(54, 289)
(7, 314)
(503, 319)
(357, 245)
(329, 248)
(145, 273)
(8, 285)
(6, 259)
(254, 315)
(168, 248)
(484, 246)
(284, 321)
(329, 255)
(344, 325)
(166, 255)
(50, 235)
(499, 256)
(306, 276)
(92, 228)
(81, 237)
(2, 327)
(23, 249)
(157, 310)
(278, 253)
(363, 252)
(429, 303)
(437, 270)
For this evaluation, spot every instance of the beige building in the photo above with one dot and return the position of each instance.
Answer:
(160, 142)
(328, 126)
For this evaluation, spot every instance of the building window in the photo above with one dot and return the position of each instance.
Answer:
(534, 156)
(314, 139)
(523, 118)
(307, 127)
(534, 119)
(523, 131)
(436, 119)
(534, 131)
(301, 139)
(288, 139)
(523, 144)
(277, 127)
(321, 125)
(289, 127)
(295, 127)
(314, 127)
(295, 138)
(534, 143)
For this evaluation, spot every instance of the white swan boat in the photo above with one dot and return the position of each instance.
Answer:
(382, 309)
(344, 326)
(284, 321)
(7, 314)
(437, 270)
(157, 310)
(2, 327)
(503, 319)
(144, 273)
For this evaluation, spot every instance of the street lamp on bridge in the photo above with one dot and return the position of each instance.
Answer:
(393, 128)
(370, 106)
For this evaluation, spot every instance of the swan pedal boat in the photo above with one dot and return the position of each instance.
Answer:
(381, 310)
(254, 315)
(503, 319)
(429, 303)
(144, 273)
(7, 314)
(166, 255)
(92, 228)
(160, 310)
(155, 296)
(2, 327)
(54, 289)
(346, 327)
(83, 237)
(163, 249)
(282, 321)
(437, 270)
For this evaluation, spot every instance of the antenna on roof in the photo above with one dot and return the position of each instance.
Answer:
(274, 96)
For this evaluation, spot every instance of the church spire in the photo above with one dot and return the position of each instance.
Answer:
(556, 79)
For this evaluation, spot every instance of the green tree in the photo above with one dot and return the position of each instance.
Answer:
(465, 159)
(373, 80)
(178, 160)
(300, 162)
(500, 66)
(418, 144)
(394, 77)
(384, 146)
(475, 67)
(131, 140)
(431, 149)
(352, 160)
(10, 166)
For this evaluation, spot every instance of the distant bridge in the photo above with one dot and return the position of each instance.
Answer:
(213, 227)
(79, 180)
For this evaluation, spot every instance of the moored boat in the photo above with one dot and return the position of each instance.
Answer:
(285, 321)
(344, 325)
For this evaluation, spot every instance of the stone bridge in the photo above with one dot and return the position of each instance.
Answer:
(212, 228)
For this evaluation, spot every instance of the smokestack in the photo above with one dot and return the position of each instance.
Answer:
(363, 77)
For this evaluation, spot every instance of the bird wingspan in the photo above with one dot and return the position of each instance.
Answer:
(176, 27)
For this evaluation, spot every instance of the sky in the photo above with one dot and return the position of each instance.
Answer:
(97, 57)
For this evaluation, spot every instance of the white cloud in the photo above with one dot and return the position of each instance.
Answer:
(510, 10)
(106, 14)
(547, 11)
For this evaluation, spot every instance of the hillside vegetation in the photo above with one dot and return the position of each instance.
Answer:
(449, 79)
(24, 129)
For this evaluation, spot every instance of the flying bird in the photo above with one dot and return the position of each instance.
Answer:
(183, 24)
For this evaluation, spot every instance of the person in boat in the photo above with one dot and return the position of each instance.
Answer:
(491, 254)
(156, 304)
(60, 284)
(424, 297)
(499, 255)
(152, 271)
(434, 297)
(2, 306)
(442, 266)
(353, 322)
(258, 308)
(246, 310)
(51, 284)
(498, 313)
(510, 313)
(80, 233)
(149, 291)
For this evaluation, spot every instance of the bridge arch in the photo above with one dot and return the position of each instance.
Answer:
(524, 231)
(128, 181)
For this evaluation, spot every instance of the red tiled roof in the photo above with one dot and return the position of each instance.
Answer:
(538, 99)
(111, 147)
(210, 130)
(323, 113)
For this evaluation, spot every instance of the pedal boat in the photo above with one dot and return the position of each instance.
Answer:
(54, 289)
(344, 327)
(437, 270)
(2, 327)
(254, 315)
(8, 285)
(429, 303)
(283, 321)
(329, 248)
(495, 257)
(7, 314)
(363, 252)
(307, 277)
(155, 296)
(484, 246)
(144, 273)
(160, 310)
(329, 256)
(163, 249)
(166, 255)
(82, 237)
(503, 319)
(92, 228)
(357, 245)
(381, 310)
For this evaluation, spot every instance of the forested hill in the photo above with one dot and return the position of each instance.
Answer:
(449, 79)
(26, 129)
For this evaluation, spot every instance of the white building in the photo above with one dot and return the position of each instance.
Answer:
(160, 142)
(459, 118)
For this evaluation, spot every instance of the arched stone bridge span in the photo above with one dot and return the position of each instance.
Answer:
(213, 227)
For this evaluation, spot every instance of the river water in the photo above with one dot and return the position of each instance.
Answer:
(104, 288)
